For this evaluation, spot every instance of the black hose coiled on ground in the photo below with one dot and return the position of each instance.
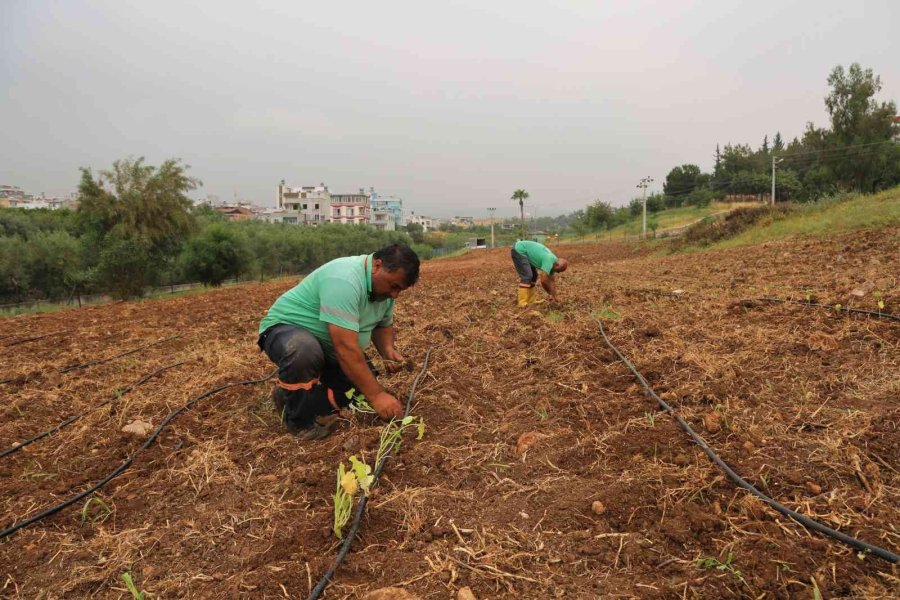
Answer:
(802, 519)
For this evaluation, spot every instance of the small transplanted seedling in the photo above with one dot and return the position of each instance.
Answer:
(358, 402)
(129, 583)
(392, 435)
(880, 299)
(651, 419)
(359, 477)
(98, 514)
(710, 562)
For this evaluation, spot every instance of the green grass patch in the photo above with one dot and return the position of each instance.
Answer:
(606, 313)
(826, 217)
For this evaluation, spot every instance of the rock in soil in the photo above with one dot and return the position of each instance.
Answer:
(713, 421)
(526, 441)
(390, 593)
(465, 593)
(138, 427)
(598, 507)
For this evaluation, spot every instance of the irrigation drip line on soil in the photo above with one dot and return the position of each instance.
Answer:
(34, 339)
(121, 468)
(843, 309)
(361, 506)
(802, 519)
(119, 393)
(91, 363)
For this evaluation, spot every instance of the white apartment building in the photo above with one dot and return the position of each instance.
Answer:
(427, 223)
(350, 209)
(312, 204)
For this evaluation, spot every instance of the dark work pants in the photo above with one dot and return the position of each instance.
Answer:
(300, 359)
(527, 274)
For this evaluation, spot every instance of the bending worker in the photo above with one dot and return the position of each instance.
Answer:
(529, 258)
(317, 331)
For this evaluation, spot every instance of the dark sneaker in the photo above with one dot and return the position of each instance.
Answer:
(311, 432)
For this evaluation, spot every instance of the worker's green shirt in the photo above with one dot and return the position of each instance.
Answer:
(538, 255)
(336, 293)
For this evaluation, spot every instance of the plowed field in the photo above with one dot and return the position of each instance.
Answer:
(545, 472)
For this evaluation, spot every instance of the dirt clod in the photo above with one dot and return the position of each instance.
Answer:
(598, 507)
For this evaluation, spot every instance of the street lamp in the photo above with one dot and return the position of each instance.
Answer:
(643, 184)
(492, 210)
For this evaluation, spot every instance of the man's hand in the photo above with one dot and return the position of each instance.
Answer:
(393, 361)
(386, 406)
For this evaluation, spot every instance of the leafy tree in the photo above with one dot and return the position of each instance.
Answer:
(217, 254)
(416, 232)
(135, 207)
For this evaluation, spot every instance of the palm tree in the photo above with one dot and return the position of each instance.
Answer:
(521, 196)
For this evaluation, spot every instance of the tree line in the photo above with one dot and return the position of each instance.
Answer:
(135, 228)
(857, 152)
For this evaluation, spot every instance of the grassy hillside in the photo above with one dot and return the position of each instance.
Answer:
(672, 218)
(824, 218)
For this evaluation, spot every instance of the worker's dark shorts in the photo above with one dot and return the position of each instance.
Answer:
(527, 274)
(301, 358)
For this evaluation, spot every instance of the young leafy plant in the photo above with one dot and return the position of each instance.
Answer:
(710, 562)
(392, 435)
(100, 514)
(129, 583)
(343, 499)
(358, 402)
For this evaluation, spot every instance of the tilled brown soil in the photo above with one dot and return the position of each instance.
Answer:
(544, 472)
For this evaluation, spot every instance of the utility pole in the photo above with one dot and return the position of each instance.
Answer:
(643, 184)
(492, 210)
(773, 177)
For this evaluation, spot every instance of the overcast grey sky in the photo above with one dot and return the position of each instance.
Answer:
(450, 105)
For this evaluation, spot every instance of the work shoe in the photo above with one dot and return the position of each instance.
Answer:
(311, 432)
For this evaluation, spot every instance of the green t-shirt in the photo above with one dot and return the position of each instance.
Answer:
(538, 255)
(336, 293)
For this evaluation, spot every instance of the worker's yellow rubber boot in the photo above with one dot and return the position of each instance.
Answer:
(531, 296)
(523, 296)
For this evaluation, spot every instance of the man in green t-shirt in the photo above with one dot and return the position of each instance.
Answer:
(317, 332)
(529, 258)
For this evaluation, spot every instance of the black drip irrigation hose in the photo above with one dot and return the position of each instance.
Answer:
(802, 519)
(18, 446)
(121, 468)
(361, 506)
(33, 339)
(843, 309)
(91, 363)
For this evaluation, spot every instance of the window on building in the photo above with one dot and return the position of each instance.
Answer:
(317, 207)
(337, 212)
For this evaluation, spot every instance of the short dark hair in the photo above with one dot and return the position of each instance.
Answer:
(400, 256)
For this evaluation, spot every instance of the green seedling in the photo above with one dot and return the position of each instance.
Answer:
(343, 499)
(100, 514)
(651, 419)
(837, 308)
(358, 402)
(710, 562)
(808, 297)
(542, 413)
(880, 300)
(129, 583)
(392, 435)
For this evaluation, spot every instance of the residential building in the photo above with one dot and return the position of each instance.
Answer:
(383, 219)
(350, 209)
(464, 222)
(386, 210)
(235, 213)
(312, 203)
(427, 223)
